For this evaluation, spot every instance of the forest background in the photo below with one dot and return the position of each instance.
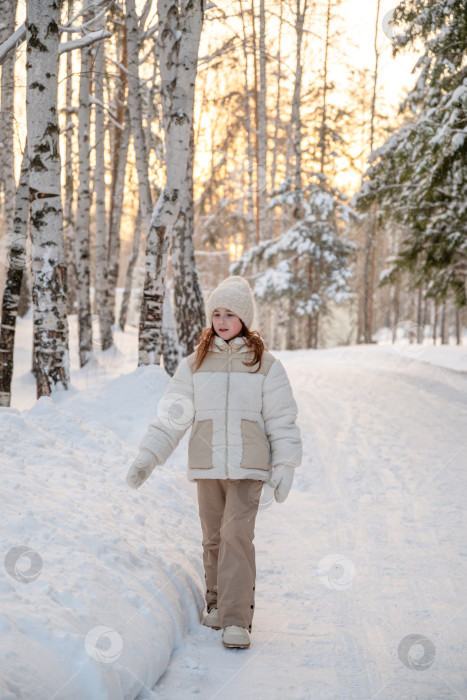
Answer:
(264, 169)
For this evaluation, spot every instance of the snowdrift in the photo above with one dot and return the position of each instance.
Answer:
(99, 582)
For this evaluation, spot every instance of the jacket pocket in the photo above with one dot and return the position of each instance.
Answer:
(256, 448)
(200, 446)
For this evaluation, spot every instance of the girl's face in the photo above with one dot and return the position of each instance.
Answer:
(226, 324)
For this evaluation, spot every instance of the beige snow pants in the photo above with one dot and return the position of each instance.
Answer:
(227, 510)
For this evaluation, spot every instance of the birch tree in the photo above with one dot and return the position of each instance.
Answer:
(119, 140)
(82, 245)
(171, 346)
(261, 125)
(178, 40)
(370, 241)
(277, 120)
(295, 119)
(68, 195)
(259, 93)
(136, 112)
(188, 297)
(7, 170)
(17, 260)
(105, 317)
(293, 154)
(48, 264)
(248, 120)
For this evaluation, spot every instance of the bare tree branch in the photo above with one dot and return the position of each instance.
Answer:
(13, 41)
(83, 41)
(17, 38)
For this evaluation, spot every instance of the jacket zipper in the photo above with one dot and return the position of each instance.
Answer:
(226, 413)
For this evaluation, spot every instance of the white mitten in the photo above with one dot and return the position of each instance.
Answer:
(281, 481)
(141, 469)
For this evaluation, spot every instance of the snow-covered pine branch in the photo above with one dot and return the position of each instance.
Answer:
(311, 261)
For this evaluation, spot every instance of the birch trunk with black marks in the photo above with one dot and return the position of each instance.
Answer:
(277, 120)
(7, 148)
(24, 303)
(294, 144)
(7, 169)
(17, 259)
(82, 259)
(48, 263)
(296, 129)
(256, 130)
(248, 125)
(136, 113)
(115, 214)
(189, 311)
(371, 229)
(261, 183)
(171, 346)
(103, 311)
(324, 107)
(178, 38)
(294, 133)
(68, 213)
(120, 136)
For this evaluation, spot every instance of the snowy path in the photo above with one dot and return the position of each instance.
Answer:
(382, 488)
(369, 549)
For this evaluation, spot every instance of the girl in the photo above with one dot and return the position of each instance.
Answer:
(238, 398)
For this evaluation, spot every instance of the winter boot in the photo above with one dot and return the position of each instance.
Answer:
(236, 637)
(212, 619)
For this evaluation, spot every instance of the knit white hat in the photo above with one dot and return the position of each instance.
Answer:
(233, 293)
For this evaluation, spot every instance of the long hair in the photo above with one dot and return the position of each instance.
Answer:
(252, 340)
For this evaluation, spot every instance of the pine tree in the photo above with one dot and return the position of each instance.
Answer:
(310, 261)
(419, 176)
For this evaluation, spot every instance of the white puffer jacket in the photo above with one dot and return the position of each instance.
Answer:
(243, 423)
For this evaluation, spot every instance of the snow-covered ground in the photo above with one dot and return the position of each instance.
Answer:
(361, 572)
